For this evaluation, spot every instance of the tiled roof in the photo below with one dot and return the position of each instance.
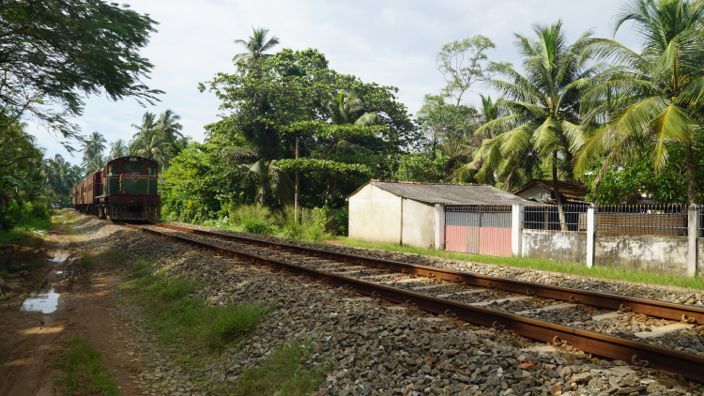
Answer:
(571, 191)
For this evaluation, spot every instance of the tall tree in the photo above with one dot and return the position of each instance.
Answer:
(652, 100)
(118, 149)
(93, 148)
(293, 88)
(257, 44)
(168, 125)
(347, 108)
(21, 177)
(61, 178)
(56, 51)
(541, 108)
(464, 63)
(158, 137)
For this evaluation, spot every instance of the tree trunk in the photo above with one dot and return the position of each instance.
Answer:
(558, 196)
(295, 190)
(691, 190)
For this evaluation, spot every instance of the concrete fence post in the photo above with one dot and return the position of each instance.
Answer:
(591, 235)
(439, 226)
(693, 223)
(517, 216)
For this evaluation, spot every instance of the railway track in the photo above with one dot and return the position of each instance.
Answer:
(532, 310)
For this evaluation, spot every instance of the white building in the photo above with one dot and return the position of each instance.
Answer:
(415, 213)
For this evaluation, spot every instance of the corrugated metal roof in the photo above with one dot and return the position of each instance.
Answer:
(451, 194)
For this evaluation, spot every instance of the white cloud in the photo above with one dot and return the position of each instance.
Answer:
(385, 41)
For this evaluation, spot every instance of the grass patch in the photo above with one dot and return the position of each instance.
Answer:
(83, 371)
(25, 233)
(182, 318)
(604, 272)
(282, 373)
(12, 267)
(115, 258)
(65, 217)
(85, 263)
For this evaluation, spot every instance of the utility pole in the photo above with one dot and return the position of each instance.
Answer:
(295, 189)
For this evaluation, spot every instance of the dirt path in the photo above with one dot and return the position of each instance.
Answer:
(31, 341)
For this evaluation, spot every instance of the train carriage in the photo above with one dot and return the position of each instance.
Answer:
(125, 189)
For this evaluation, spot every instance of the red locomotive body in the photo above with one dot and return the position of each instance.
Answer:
(125, 188)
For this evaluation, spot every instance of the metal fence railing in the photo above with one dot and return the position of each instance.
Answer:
(653, 219)
(549, 217)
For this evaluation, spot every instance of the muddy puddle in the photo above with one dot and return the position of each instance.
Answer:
(47, 301)
(59, 257)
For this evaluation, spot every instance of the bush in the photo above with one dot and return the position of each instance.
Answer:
(340, 221)
(252, 218)
(311, 226)
(27, 215)
(315, 230)
(288, 226)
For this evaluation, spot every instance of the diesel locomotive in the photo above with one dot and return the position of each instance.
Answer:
(125, 189)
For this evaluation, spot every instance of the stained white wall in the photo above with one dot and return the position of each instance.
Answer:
(375, 215)
(418, 224)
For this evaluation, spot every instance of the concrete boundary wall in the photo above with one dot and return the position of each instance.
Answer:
(700, 256)
(653, 253)
(667, 254)
(568, 247)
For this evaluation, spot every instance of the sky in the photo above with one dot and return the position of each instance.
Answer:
(390, 42)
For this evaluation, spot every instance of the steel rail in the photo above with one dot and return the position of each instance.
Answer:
(655, 308)
(688, 365)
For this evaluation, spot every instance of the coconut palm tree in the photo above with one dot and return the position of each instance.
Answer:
(540, 126)
(257, 44)
(158, 138)
(118, 148)
(93, 148)
(168, 126)
(348, 109)
(154, 147)
(650, 100)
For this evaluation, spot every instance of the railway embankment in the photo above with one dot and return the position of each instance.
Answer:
(345, 343)
(169, 304)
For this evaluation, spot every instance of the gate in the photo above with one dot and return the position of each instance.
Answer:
(478, 229)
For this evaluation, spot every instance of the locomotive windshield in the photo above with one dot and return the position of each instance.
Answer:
(133, 167)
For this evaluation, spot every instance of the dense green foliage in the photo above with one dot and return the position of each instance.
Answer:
(52, 54)
(22, 198)
(56, 51)
(652, 101)
(61, 177)
(287, 114)
(293, 132)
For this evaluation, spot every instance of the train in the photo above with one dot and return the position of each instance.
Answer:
(124, 189)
